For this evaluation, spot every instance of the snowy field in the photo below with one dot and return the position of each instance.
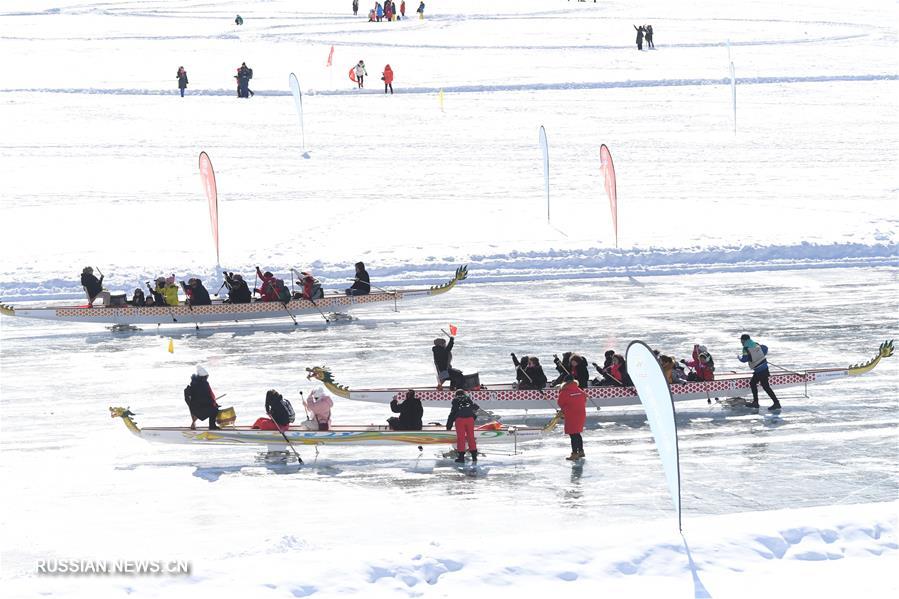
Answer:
(786, 230)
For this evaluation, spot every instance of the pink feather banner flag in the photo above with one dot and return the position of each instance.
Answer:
(608, 171)
(208, 177)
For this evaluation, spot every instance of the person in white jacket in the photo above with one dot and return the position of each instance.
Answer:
(360, 73)
(319, 406)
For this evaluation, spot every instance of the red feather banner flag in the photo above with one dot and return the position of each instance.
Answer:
(453, 330)
(208, 177)
(330, 56)
(608, 171)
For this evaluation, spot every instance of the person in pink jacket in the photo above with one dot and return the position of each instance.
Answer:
(702, 364)
(319, 406)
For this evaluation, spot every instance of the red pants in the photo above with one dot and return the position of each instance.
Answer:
(465, 429)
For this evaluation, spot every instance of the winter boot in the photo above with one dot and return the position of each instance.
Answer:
(212, 425)
(474, 455)
(574, 456)
(580, 453)
(754, 404)
(460, 458)
(775, 406)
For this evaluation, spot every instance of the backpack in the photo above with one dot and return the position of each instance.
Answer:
(249, 73)
(280, 409)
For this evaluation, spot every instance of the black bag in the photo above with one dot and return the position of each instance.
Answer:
(250, 73)
(279, 408)
(457, 379)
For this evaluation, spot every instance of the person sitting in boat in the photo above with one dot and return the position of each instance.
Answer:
(604, 369)
(702, 364)
(410, 412)
(578, 369)
(756, 355)
(573, 403)
(521, 366)
(279, 409)
(536, 374)
(167, 290)
(197, 295)
(361, 281)
(667, 364)
(200, 399)
(267, 290)
(238, 290)
(319, 405)
(93, 287)
(563, 367)
(138, 299)
(443, 359)
(462, 415)
(312, 288)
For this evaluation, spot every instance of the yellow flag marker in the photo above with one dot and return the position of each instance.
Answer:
(440, 97)
(171, 346)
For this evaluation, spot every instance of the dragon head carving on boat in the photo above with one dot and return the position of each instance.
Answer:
(126, 415)
(461, 275)
(885, 351)
(323, 374)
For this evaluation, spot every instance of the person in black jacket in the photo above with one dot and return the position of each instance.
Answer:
(578, 369)
(563, 367)
(197, 293)
(410, 412)
(649, 44)
(640, 32)
(200, 399)
(443, 359)
(238, 290)
(361, 282)
(462, 415)
(93, 287)
(182, 80)
(536, 374)
(521, 375)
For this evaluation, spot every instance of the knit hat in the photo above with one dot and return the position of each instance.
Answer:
(201, 371)
(744, 337)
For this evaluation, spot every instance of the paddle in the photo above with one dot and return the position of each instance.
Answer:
(157, 297)
(293, 271)
(289, 444)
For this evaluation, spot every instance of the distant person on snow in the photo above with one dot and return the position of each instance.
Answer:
(755, 355)
(421, 10)
(93, 287)
(201, 400)
(355, 7)
(361, 282)
(360, 73)
(387, 78)
(403, 9)
(244, 74)
(410, 412)
(319, 405)
(640, 32)
(238, 20)
(462, 415)
(379, 12)
(182, 80)
(649, 44)
(573, 403)
(443, 359)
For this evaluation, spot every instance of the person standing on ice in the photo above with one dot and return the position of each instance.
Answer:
(238, 20)
(403, 9)
(421, 10)
(360, 73)
(200, 399)
(93, 287)
(244, 74)
(573, 403)
(182, 80)
(319, 405)
(462, 415)
(649, 44)
(640, 32)
(443, 359)
(355, 7)
(755, 355)
(387, 78)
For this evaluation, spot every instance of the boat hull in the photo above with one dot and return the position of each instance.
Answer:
(339, 435)
(504, 397)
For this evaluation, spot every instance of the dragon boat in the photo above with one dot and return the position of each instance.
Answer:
(219, 311)
(507, 397)
(491, 433)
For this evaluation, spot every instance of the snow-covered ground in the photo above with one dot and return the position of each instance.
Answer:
(787, 230)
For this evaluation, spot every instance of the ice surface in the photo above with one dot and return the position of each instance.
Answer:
(786, 230)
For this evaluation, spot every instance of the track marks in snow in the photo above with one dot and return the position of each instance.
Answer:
(420, 569)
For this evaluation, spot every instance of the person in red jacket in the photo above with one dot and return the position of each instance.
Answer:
(267, 290)
(387, 77)
(702, 364)
(573, 403)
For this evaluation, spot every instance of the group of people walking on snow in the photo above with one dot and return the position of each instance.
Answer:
(271, 289)
(388, 11)
(359, 73)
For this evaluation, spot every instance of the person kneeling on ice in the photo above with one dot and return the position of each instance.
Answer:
(279, 410)
(319, 405)
(410, 412)
(462, 414)
(573, 403)
(755, 355)
(201, 400)
(93, 287)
